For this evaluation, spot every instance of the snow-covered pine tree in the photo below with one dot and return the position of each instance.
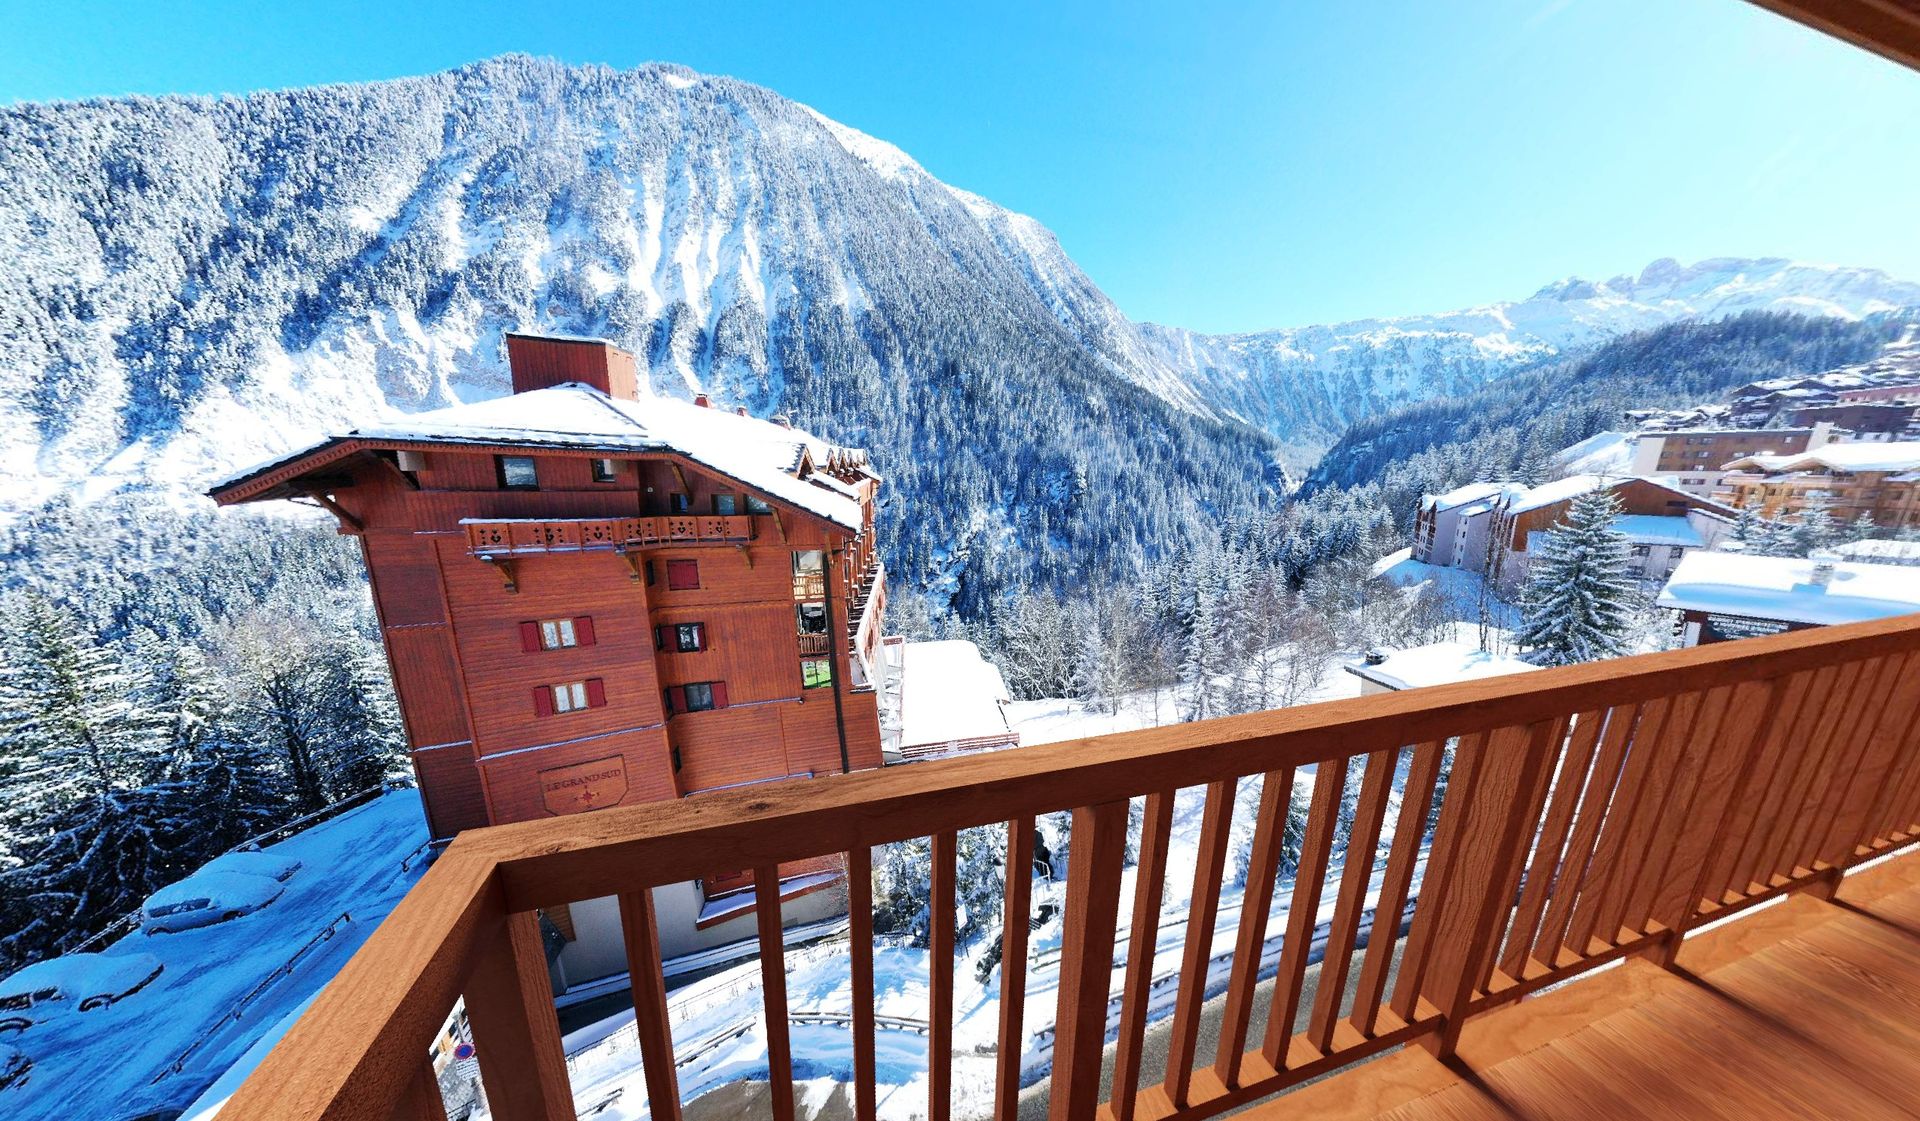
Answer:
(1815, 529)
(366, 744)
(1203, 659)
(1579, 600)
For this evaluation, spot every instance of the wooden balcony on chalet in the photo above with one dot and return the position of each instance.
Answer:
(1703, 854)
(507, 537)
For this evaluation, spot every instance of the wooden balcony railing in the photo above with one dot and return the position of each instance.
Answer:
(1587, 813)
(514, 536)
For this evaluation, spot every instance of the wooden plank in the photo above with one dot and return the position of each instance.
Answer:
(1729, 864)
(516, 1035)
(1735, 755)
(1156, 826)
(860, 940)
(1693, 750)
(1579, 872)
(1835, 761)
(1528, 816)
(1263, 865)
(1546, 870)
(1416, 800)
(1303, 910)
(1438, 882)
(773, 991)
(1667, 759)
(1804, 791)
(1603, 869)
(940, 979)
(651, 844)
(1892, 815)
(1880, 734)
(1086, 959)
(1356, 873)
(1014, 929)
(1210, 861)
(422, 1100)
(642, 930)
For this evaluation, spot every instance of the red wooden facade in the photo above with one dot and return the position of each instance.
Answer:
(633, 627)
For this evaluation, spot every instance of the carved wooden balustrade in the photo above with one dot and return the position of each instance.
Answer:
(1535, 827)
(513, 536)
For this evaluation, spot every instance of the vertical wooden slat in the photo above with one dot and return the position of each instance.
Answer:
(860, 943)
(1863, 766)
(642, 930)
(773, 989)
(516, 1035)
(1014, 930)
(1883, 820)
(1666, 755)
(1729, 867)
(1733, 756)
(1803, 790)
(940, 979)
(1602, 883)
(1528, 816)
(422, 1101)
(1210, 861)
(1356, 873)
(1156, 827)
(1672, 821)
(1757, 867)
(1835, 751)
(1415, 801)
(1263, 864)
(1094, 858)
(1437, 883)
(1578, 868)
(1545, 871)
(1303, 910)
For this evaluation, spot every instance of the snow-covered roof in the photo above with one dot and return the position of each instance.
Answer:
(1897, 455)
(1458, 496)
(1440, 663)
(1889, 552)
(948, 692)
(1521, 499)
(757, 453)
(1782, 588)
(1654, 529)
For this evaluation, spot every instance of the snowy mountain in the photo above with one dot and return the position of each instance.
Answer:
(193, 283)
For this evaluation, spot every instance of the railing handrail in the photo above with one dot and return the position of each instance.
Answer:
(350, 1055)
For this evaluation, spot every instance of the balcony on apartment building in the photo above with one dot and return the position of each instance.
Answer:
(496, 537)
(1725, 826)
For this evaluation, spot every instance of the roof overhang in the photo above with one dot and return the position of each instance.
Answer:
(1888, 28)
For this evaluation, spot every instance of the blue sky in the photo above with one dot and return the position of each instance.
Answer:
(1217, 165)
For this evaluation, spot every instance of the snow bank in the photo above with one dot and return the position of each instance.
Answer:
(1783, 588)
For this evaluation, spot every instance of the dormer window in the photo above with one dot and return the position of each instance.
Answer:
(725, 505)
(516, 472)
(758, 505)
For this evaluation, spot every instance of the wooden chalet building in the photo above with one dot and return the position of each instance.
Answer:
(593, 597)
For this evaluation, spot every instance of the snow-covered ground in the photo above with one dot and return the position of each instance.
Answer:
(222, 987)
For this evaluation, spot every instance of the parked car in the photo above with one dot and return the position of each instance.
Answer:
(78, 981)
(254, 863)
(205, 898)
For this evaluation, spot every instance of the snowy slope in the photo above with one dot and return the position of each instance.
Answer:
(117, 1059)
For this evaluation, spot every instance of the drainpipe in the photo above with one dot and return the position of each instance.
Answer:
(833, 658)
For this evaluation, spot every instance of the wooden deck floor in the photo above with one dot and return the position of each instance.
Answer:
(1806, 1009)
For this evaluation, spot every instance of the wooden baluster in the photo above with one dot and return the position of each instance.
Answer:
(940, 979)
(516, 1035)
(1356, 873)
(773, 989)
(1014, 930)
(1303, 910)
(1826, 780)
(1830, 686)
(422, 1101)
(1691, 746)
(650, 1022)
(1771, 830)
(1579, 871)
(1149, 885)
(1861, 767)
(1094, 857)
(1263, 865)
(1546, 874)
(1437, 883)
(1731, 869)
(1528, 814)
(1602, 882)
(1423, 770)
(860, 938)
(1883, 821)
(1666, 758)
(1210, 862)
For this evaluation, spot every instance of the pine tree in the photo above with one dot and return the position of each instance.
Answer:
(1815, 530)
(1578, 602)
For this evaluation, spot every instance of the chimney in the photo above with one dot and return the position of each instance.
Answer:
(740, 410)
(1823, 563)
(703, 400)
(543, 361)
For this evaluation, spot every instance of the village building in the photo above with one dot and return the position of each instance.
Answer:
(1437, 663)
(1877, 481)
(1723, 596)
(1690, 459)
(592, 596)
(1451, 528)
(966, 713)
(1905, 394)
(1857, 421)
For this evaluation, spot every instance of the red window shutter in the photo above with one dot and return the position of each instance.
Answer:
(583, 629)
(659, 638)
(530, 638)
(542, 700)
(596, 692)
(683, 575)
(719, 694)
(676, 698)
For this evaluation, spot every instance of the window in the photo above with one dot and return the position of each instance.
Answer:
(809, 574)
(571, 696)
(516, 472)
(683, 575)
(724, 505)
(1675, 552)
(1641, 550)
(689, 637)
(758, 505)
(810, 618)
(605, 471)
(679, 503)
(815, 672)
(696, 696)
(649, 567)
(556, 634)
(699, 696)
